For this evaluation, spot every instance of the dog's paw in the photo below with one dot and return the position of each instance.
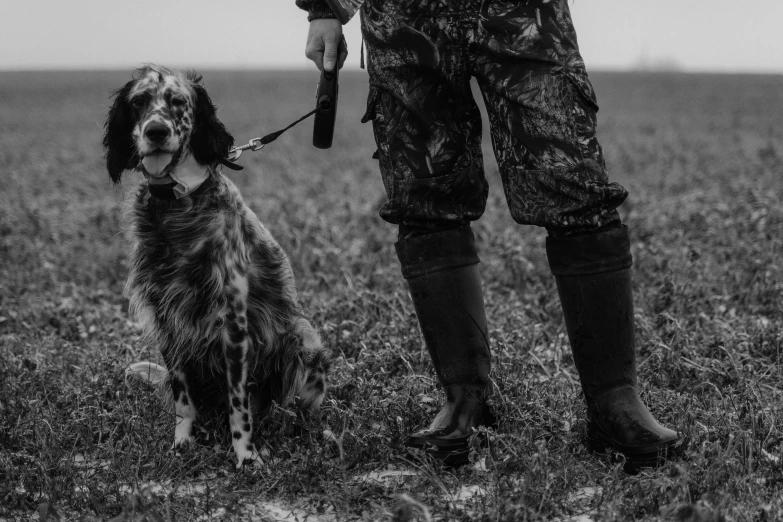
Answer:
(146, 372)
(249, 453)
(183, 442)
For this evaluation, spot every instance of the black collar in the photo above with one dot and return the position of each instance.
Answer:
(166, 191)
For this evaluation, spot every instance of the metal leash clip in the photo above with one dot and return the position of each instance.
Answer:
(253, 145)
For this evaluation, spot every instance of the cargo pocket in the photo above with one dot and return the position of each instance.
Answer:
(584, 88)
(372, 102)
(370, 114)
(584, 120)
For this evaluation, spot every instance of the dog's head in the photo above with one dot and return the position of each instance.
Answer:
(158, 119)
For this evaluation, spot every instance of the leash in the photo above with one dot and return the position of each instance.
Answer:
(325, 111)
(259, 143)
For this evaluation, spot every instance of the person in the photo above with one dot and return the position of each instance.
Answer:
(542, 113)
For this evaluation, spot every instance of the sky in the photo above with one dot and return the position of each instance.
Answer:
(690, 35)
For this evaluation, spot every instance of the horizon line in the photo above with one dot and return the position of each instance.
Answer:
(352, 68)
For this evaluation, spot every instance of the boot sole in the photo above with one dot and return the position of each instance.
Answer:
(453, 453)
(636, 458)
(452, 459)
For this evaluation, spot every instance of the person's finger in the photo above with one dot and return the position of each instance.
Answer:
(330, 54)
(319, 60)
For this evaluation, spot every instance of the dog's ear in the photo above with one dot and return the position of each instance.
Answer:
(118, 142)
(210, 141)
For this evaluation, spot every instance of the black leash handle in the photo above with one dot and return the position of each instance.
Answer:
(326, 107)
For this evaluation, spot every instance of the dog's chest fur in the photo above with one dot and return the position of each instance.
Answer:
(198, 263)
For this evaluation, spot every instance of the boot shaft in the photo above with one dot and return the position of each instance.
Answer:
(593, 279)
(598, 314)
(443, 278)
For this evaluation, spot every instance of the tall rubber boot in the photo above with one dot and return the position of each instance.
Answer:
(594, 283)
(441, 269)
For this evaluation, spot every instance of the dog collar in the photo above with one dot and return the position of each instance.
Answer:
(187, 177)
(163, 191)
(178, 190)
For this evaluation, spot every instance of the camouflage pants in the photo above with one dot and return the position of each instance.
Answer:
(541, 106)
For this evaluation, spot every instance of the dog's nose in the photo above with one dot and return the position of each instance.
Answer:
(156, 132)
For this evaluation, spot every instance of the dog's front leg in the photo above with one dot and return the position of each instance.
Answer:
(183, 408)
(241, 417)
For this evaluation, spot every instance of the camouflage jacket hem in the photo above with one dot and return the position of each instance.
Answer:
(316, 9)
(343, 10)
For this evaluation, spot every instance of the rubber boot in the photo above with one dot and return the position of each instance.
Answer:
(593, 278)
(442, 274)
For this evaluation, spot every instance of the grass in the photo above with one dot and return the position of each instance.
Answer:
(702, 158)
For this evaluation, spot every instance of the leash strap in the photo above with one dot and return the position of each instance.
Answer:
(258, 143)
(269, 138)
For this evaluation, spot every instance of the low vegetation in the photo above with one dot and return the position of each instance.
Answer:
(702, 157)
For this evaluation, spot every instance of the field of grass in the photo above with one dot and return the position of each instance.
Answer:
(702, 157)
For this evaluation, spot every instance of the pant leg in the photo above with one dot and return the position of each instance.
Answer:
(426, 124)
(542, 111)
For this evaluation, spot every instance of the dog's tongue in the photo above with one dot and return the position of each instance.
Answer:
(156, 163)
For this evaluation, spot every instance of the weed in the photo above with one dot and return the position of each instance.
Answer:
(701, 157)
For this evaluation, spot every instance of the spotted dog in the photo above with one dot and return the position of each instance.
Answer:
(208, 283)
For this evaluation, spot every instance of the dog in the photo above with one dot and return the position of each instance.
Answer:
(208, 282)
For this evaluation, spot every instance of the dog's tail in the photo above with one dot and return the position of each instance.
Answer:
(149, 373)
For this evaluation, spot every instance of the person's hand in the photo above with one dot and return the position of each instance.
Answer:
(325, 44)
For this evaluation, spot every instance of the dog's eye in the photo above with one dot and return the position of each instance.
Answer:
(138, 102)
(178, 102)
